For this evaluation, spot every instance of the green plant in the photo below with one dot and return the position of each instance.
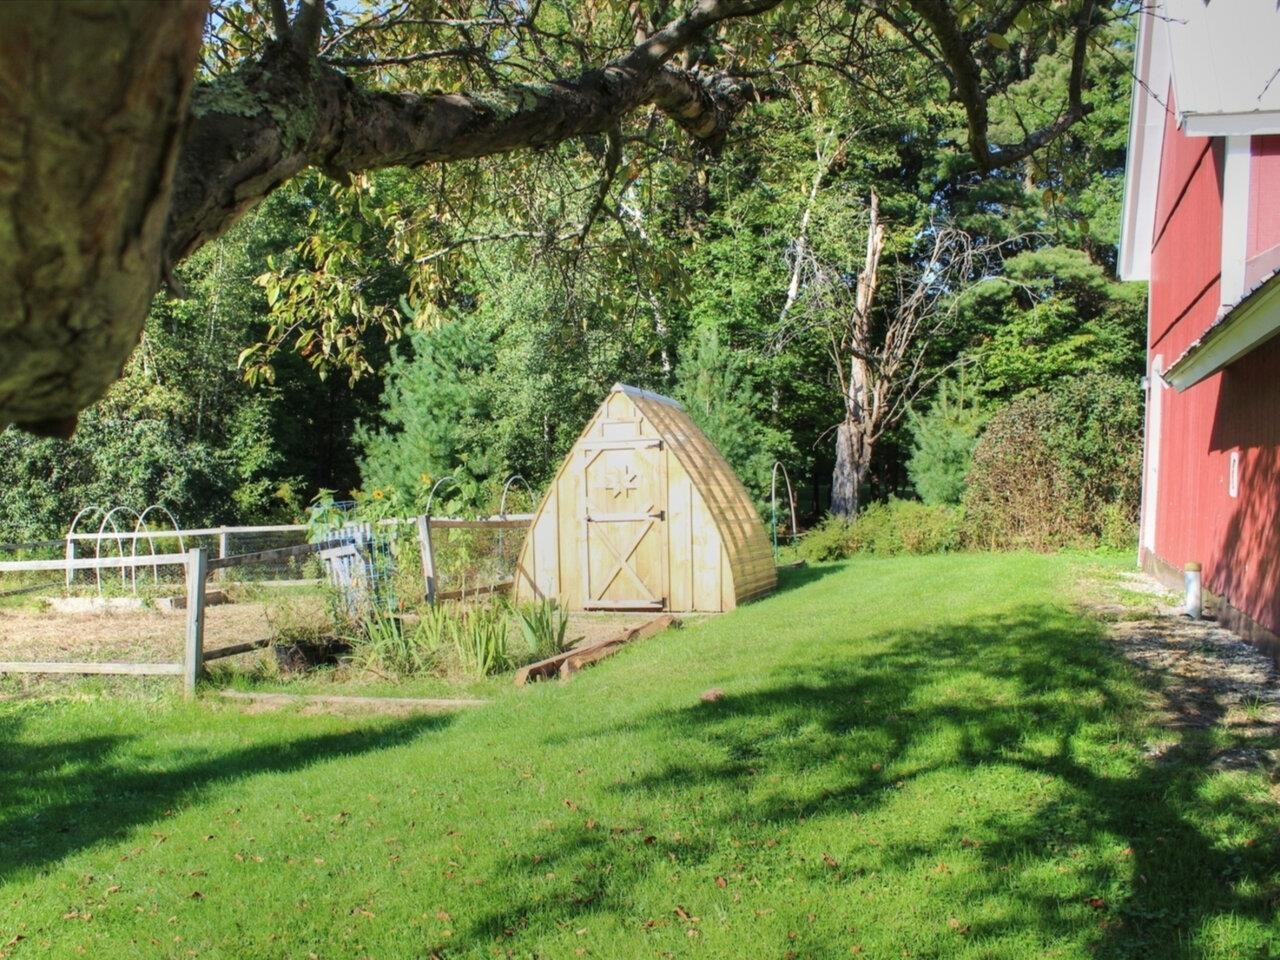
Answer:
(1049, 464)
(1118, 528)
(943, 439)
(543, 625)
(479, 636)
(831, 539)
(383, 641)
(886, 529)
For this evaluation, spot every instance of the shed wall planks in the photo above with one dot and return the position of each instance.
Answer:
(592, 541)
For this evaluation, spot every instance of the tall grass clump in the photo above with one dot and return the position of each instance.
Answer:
(480, 639)
(544, 627)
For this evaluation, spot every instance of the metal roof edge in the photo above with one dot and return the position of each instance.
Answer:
(1240, 328)
(647, 394)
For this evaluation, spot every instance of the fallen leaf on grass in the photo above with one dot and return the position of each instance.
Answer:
(1096, 902)
(712, 695)
(721, 882)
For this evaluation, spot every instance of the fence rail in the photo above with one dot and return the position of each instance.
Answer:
(94, 563)
(198, 567)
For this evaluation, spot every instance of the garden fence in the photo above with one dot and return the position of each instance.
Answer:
(478, 558)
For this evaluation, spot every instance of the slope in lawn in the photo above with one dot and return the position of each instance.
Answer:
(932, 756)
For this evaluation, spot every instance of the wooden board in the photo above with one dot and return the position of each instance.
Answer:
(567, 663)
(233, 649)
(371, 704)
(123, 669)
(586, 656)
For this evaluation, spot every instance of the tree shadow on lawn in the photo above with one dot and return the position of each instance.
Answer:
(61, 797)
(792, 578)
(1036, 694)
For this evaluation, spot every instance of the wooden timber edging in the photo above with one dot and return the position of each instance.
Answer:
(94, 668)
(569, 662)
(375, 704)
(502, 586)
(233, 649)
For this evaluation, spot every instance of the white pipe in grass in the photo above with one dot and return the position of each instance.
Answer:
(1193, 598)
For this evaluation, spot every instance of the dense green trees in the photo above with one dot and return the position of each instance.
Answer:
(466, 319)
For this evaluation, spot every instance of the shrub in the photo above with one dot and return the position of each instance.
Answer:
(1057, 468)
(942, 442)
(886, 529)
(831, 539)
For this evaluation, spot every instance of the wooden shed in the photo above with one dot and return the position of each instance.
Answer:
(645, 514)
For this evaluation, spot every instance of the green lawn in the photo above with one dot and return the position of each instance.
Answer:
(925, 757)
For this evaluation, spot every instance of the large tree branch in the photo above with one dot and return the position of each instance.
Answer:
(964, 72)
(255, 129)
(93, 215)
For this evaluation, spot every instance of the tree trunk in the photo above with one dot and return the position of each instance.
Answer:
(92, 102)
(853, 460)
(855, 437)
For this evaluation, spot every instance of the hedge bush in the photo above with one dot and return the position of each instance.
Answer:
(886, 529)
(1058, 468)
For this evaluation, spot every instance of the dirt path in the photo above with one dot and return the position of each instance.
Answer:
(1207, 678)
(142, 636)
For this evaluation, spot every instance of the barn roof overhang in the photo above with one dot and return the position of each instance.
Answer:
(1214, 64)
(1239, 329)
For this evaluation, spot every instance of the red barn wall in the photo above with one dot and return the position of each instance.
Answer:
(1237, 539)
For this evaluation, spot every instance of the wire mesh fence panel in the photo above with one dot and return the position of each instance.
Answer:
(281, 568)
(474, 560)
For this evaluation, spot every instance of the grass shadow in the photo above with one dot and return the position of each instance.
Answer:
(793, 578)
(60, 797)
(1031, 697)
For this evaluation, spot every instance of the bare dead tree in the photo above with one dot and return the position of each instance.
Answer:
(881, 346)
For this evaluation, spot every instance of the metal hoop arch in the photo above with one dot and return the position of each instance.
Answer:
(436, 486)
(502, 504)
(119, 543)
(773, 496)
(141, 525)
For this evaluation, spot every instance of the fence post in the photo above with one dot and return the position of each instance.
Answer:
(71, 556)
(224, 549)
(193, 658)
(428, 557)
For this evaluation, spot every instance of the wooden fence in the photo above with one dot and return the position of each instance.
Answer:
(199, 566)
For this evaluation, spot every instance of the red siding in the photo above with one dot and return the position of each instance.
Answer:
(1262, 253)
(1264, 195)
(1236, 538)
(1187, 254)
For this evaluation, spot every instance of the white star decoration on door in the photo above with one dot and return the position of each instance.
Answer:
(621, 481)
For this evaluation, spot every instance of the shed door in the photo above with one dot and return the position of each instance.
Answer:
(626, 528)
